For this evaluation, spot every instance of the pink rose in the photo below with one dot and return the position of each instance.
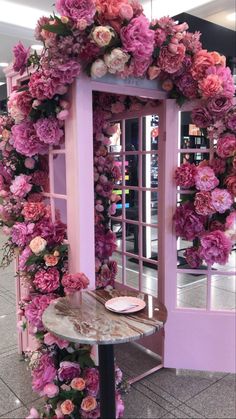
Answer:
(37, 245)
(116, 60)
(63, 115)
(226, 145)
(210, 86)
(98, 69)
(203, 203)
(29, 163)
(170, 62)
(102, 35)
(21, 55)
(205, 178)
(50, 390)
(91, 377)
(50, 339)
(67, 407)
(78, 384)
(126, 11)
(34, 414)
(88, 404)
(68, 370)
(74, 282)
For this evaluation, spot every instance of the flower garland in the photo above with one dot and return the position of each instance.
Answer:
(100, 37)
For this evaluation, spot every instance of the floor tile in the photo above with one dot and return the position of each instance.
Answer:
(134, 358)
(20, 413)
(227, 283)
(218, 400)
(182, 387)
(139, 406)
(8, 400)
(8, 330)
(20, 379)
(6, 307)
(156, 394)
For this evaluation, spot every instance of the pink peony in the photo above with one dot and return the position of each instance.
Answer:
(221, 200)
(64, 73)
(74, 282)
(42, 86)
(25, 140)
(185, 175)
(201, 117)
(19, 105)
(91, 377)
(77, 10)
(105, 242)
(210, 86)
(21, 186)
(202, 61)
(34, 310)
(21, 233)
(192, 257)
(188, 224)
(205, 178)
(203, 203)
(68, 370)
(21, 56)
(47, 281)
(50, 339)
(137, 38)
(187, 85)
(226, 145)
(230, 183)
(23, 257)
(218, 79)
(171, 62)
(50, 390)
(33, 211)
(44, 373)
(215, 247)
(48, 130)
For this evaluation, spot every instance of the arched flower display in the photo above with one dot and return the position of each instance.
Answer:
(102, 37)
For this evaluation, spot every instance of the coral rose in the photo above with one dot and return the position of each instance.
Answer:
(67, 407)
(38, 245)
(202, 61)
(210, 86)
(51, 260)
(78, 384)
(88, 404)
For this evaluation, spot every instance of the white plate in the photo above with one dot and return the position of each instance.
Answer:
(125, 304)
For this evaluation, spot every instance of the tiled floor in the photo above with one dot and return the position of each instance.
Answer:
(168, 393)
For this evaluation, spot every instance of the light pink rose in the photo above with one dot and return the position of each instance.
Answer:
(116, 60)
(98, 69)
(50, 339)
(34, 414)
(67, 407)
(37, 245)
(126, 11)
(21, 186)
(221, 200)
(63, 115)
(50, 390)
(102, 35)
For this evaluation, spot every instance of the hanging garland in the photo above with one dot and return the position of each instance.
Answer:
(101, 37)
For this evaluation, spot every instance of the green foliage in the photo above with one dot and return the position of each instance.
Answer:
(59, 28)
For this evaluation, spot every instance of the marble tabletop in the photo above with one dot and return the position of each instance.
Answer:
(83, 318)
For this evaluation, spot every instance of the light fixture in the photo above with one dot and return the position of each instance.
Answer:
(155, 9)
(2, 83)
(232, 17)
(19, 15)
(37, 47)
(3, 64)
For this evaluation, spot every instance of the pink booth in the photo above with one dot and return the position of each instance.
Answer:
(193, 334)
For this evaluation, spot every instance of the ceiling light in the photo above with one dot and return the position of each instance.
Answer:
(37, 47)
(2, 83)
(19, 15)
(3, 64)
(232, 16)
(155, 9)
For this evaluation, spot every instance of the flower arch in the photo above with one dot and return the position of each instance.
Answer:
(100, 37)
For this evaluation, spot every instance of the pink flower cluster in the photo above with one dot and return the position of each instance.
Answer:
(74, 282)
(44, 373)
(47, 280)
(19, 105)
(188, 223)
(215, 247)
(34, 310)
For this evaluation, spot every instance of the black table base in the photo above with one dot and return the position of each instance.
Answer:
(107, 381)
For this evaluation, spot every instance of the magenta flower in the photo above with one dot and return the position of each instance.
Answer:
(201, 117)
(21, 186)
(187, 85)
(230, 119)
(226, 145)
(74, 282)
(68, 370)
(21, 234)
(50, 339)
(219, 105)
(77, 10)
(34, 310)
(91, 377)
(215, 247)
(44, 373)
(171, 62)
(25, 140)
(137, 38)
(188, 224)
(105, 243)
(205, 178)
(192, 257)
(221, 200)
(185, 175)
(48, 130)
(42, 86)
(218, 165)
(203, 203)
(21, 56)
(47, 280)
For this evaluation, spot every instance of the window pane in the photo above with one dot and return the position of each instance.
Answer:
(223, 292)
(59, 168)
(191, 290)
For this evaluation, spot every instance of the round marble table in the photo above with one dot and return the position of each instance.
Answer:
(83, 318)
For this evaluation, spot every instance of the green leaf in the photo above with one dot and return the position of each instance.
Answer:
(60, 28)
(33, 259)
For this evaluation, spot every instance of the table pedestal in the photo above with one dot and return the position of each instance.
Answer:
(107, 381)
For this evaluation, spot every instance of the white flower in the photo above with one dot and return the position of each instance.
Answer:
(37, 245)
(116, 60)
(102, 35)
(98, 68)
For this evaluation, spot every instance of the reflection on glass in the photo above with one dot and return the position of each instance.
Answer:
(131, 134)
(182, 246)
(116, 138)
(150, 242)
(59, 169)
(132, 274)
(223, 292)
(132, 243)
(131, 205)
(150, 170)
(193, 157)
(116, 227)
(191, 135)
(149, 207)
(131, 170)
(191, 290)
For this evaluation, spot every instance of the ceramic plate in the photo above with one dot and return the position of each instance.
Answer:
(125, 305)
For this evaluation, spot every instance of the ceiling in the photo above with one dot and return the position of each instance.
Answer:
(215, 11)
